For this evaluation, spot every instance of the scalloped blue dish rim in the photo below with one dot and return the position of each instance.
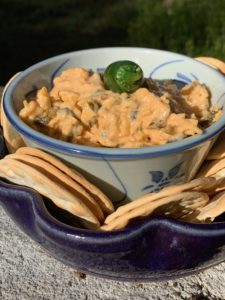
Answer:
(100, 242)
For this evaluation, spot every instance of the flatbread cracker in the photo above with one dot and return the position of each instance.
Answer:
(182, 204)
(20, 173)
(199, 184)
(218, 186)
(64, 180)
(12, 138)
(213, 209)
(212, 168)
(218, 149)
(213, 62)
(103, 201)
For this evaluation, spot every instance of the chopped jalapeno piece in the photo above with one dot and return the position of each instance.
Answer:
(123, 76)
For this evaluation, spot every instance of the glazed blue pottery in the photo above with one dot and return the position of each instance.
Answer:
(151, 249)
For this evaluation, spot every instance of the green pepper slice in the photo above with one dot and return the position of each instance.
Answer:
(123, 76)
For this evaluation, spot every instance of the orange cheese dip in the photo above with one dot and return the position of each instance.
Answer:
(79, 109)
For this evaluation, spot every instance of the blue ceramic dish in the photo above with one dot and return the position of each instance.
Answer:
(152, 249)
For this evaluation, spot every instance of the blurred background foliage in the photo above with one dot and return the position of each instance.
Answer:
(33, 30)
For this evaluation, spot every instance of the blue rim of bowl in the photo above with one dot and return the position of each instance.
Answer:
(104, 152)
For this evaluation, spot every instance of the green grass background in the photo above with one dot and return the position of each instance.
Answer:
(31, 31)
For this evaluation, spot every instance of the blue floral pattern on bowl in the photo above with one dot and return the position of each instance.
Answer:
(160, 179)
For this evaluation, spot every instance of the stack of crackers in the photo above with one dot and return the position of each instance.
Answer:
(200, 200)
(196, 201)
(12, 138)
(53, 179)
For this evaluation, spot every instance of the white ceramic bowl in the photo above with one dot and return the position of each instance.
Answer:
(123, 174)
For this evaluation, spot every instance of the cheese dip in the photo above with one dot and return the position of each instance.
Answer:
(79, 109)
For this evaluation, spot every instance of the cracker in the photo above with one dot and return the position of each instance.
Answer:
(12, 138)
(213, 62)
(199, 184)
(177, 205)
(218, 149)
(103, 201)
(218, 186)
(213, 209)
(212, 168)
(183, 209)
(64, 180)
(20, 173)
